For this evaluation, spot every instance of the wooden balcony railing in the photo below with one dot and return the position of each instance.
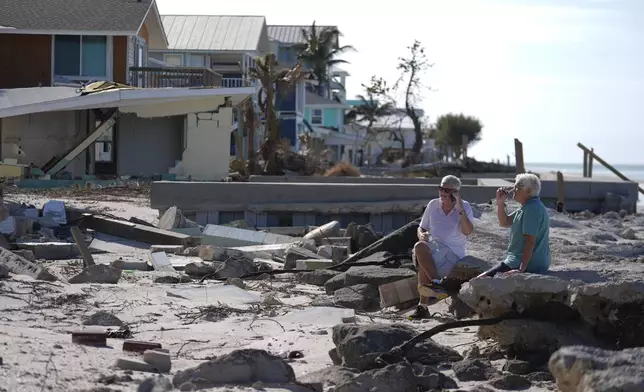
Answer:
(160, 77)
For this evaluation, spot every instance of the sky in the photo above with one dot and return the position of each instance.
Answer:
(551, 73)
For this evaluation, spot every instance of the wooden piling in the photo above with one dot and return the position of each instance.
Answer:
(590, 163)
(518, 154)
(592, 156)
(585, 170)
(560, 192)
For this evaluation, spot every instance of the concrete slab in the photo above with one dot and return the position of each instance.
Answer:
(225, 294)
(112, 244)
(233, 237)
(313, 263)
(160, 262)
(51, 250)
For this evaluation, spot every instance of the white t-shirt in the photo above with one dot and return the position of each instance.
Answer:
(446, 228)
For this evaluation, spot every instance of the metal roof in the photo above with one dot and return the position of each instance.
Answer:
(74, 15)
(290, 34)
(208, 32)
(316, 100)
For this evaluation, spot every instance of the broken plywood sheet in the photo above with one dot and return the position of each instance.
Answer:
(321, 316)
(232, 237)
(228, 295)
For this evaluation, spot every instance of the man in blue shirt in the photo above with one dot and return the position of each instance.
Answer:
(529, 246)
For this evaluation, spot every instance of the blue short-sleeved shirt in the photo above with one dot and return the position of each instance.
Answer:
(532, 218)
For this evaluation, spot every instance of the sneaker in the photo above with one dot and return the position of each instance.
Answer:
(432, 291)
(420, 313)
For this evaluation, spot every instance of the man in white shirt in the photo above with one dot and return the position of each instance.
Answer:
(442, 241)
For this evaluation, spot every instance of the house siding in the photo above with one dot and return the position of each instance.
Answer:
(330, 116)
(119, 59)
(25, 60)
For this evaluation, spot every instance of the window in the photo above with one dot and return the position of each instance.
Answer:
(77, 56)
(173, 60)
(197, 60)
(316, 117)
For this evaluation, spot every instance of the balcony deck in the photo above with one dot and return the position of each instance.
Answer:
(161, 77)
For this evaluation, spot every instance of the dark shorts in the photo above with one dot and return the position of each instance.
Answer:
(498, 269)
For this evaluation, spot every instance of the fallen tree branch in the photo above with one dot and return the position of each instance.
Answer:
(399, 353)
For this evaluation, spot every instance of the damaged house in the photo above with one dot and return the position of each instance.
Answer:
(80, 97)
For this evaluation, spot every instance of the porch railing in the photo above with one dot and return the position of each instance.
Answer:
(235, 82)
(160, 77)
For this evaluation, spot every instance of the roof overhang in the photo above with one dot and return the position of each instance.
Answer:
(152, 20)
(12, 30)
(145, 102)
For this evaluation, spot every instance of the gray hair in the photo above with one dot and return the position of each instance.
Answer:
(452, 181)
(529, 182)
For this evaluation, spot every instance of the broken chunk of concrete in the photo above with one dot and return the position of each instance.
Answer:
(51, 250)
(585, 369)
(168, 249)
(236, 267)
(333, 252)
(134, 364)
(356, 345)
(372, 274)
(232, 237)
(358, 297)
(294, 253)
(26, 253)
(99, 273)
(160, 262)
(21, 266)
(317, 277)
(331, 229)
(173, 219)
(400, 241)
(155, 384)
(202, 268)
(159, 359)
(313, 264)
(239, 367)
(130, 265)
(4, 272)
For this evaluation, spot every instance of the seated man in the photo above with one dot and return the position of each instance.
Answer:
(442, 239)
(529, 246)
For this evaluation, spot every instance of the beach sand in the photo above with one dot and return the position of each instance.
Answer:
(36, 318)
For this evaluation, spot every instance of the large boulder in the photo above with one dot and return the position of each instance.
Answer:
(591, 369)
(358, 346)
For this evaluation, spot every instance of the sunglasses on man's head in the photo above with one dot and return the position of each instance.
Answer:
(446, 190)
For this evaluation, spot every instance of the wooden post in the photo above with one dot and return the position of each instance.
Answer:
(609, 167)
(79, 239)
(560, 192)
(508, 159)
(585, 171)
(518, 154)
(590, 162)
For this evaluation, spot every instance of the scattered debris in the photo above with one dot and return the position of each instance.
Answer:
(99, 273)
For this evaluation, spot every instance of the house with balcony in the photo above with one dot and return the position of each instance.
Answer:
(123, 124)
(322, 116)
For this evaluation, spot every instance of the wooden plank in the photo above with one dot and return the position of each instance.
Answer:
(79, 239)
(606, 165)
(585, 171)
(83, 145)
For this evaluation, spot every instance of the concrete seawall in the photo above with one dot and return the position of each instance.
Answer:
(387, 205)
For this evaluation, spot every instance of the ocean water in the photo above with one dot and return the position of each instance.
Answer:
(632, 172)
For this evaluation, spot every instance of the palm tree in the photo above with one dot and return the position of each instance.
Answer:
(320, 51)
(273, 78)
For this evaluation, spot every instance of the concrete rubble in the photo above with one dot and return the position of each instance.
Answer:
(214, 307)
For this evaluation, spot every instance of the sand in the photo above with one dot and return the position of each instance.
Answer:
(36, 317)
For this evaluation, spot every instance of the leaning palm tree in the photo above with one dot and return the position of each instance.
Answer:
(320, 51)
(273, 79)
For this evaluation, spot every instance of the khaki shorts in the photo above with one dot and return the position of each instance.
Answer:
(444, 258)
